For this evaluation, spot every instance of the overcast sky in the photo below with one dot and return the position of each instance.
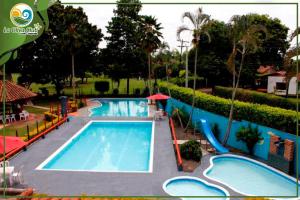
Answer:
(170, 15)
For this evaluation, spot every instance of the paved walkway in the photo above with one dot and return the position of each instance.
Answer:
(102, 183)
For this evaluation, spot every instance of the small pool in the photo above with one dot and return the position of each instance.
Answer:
(187, 186)
(121, 108)
(106, 146)
(249, 177)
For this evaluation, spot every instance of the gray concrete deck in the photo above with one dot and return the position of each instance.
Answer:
(102, 183)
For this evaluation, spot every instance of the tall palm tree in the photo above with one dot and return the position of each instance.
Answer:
(199, 22)
(245, 40)
(72, 43)
(150, 35)
(288, 64)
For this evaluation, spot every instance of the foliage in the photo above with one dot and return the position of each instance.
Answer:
(102, 86)
(125, 55)
(191, 150)
(256, 97)
(146, 91)
(48, 60)
(249, 135)
(116, 91)
(181, 81)
(278, 118)
(200, 21)
(137, 91)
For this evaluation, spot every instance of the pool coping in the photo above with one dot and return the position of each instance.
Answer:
(100, 104)
(164, 185)
(272, 169)
(56, 152)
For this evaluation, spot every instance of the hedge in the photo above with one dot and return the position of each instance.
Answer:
(256, 97)
(278, 118)
(181, 82)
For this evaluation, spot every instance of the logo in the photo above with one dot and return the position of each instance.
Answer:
(21, 15)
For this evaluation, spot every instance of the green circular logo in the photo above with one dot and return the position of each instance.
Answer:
(21, 15)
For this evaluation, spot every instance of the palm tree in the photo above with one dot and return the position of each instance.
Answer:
(245, 40)
(199, 21)
(288, 64)
(151, 35)
(72, 43)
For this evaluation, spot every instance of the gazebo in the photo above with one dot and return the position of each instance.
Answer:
(15, 95)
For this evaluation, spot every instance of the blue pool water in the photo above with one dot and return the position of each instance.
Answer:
(106, 147)
(248, 177)
(121, 108)
(190, 186)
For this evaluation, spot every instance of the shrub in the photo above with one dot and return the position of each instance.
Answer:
(191, 150)
(116, 91)
(137, 91)
(181, 82)
(80, 104)
(44, 91)
(48, 116)
(102, 86)
(250, 136)
(146, 91)
(256, 97)
(278, 118)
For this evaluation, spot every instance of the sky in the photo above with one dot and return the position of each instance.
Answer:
(170, 16)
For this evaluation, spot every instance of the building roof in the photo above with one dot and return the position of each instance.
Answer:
(15, 92)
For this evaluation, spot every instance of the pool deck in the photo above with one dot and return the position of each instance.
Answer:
(103, 183)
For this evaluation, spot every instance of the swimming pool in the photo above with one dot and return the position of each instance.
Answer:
(249, 177)
(191, 186)
(121, 108)
(106, 146)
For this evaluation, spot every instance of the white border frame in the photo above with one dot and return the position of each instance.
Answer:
(195, 179)
(100, 104)
(55, 153)
(273, 170)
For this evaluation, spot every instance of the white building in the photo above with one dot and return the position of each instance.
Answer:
(277, 85)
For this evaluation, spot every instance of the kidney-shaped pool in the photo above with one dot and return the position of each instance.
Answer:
(249, 177)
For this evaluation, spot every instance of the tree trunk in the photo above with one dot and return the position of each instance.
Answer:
(287, 88)
(82, 80)
(194, 90)
(73, 77)
(128, 82)
(230, 118)
(149, 73)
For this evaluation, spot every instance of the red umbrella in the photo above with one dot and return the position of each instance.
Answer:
(11, 143)
(158, 97)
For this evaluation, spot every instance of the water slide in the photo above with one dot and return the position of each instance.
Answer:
(211, 138)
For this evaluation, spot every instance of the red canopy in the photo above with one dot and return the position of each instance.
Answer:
(158, 97)
(11, 143)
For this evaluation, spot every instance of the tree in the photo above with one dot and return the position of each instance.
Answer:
(150, 36)
(123, 52)
(212, 55)
(245, 39)
(289, 65)
(46, 59)
(198, 20)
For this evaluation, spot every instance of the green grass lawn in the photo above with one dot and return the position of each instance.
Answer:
(89, 88)
(21, 127)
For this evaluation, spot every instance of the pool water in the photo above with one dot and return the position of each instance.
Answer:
(106, 147)
(190, 186)
(121, 108)
(250, 178)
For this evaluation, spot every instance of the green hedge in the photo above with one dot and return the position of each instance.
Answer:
(274, 117)
(256, 97)
(181, 82)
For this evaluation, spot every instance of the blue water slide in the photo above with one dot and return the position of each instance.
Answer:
(211, 138)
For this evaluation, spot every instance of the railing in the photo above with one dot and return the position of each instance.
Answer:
(36, 137)
(179, 159)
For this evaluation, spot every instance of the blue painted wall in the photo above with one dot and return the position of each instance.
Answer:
(260, 150)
